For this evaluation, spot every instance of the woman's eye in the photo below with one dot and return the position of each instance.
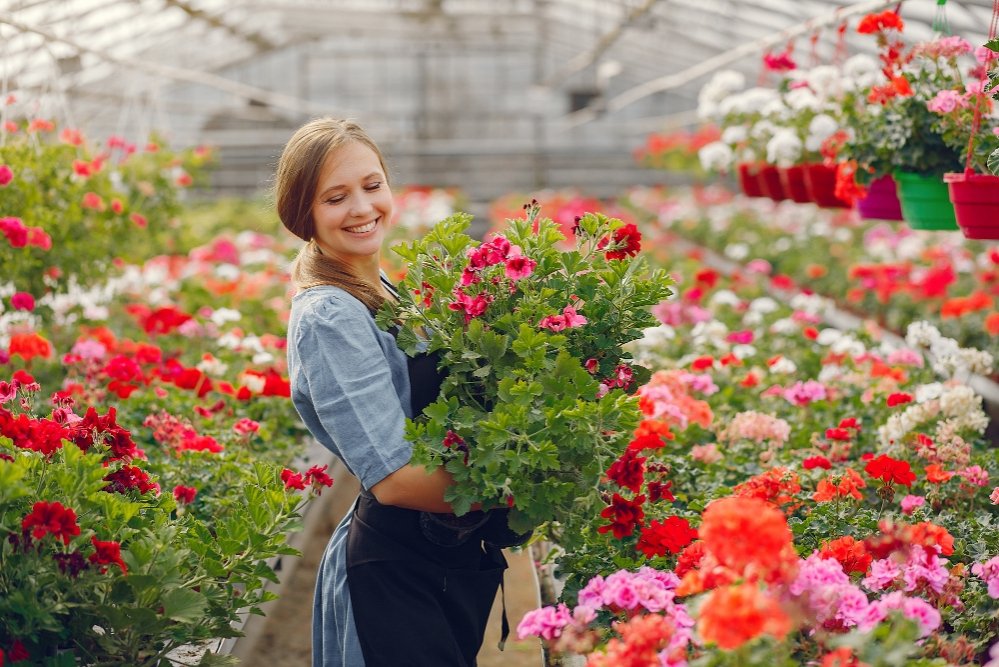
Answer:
(335, 200)
(373, 186)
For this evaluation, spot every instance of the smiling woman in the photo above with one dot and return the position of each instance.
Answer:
(354, 389)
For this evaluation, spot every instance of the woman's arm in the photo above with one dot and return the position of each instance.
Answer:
(413, 487)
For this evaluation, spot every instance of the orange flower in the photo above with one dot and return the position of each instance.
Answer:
(992, 324)
(777, 486)
(29, 345)
(937, 475)
(734, 615)
(835, 486)
(841, 657)
(929, 534)
(748, 535)
(850, 553)
(815, 271)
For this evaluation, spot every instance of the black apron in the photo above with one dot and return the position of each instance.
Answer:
(415, 602)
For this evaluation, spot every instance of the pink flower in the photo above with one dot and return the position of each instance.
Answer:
(569, 319)
(15, 231)
(989, 573)
(546, 622)
(518, 267)
(93, 201)
(38, 238)
(995, 496)
(6, 175)
(910, 503)
(803, 393)
(245, 426)
(740, 337)
(946, 101)
(22, 301)
(139, 220)
(975, 475)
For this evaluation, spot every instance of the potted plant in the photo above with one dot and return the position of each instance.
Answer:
(738, 112)
(967, 120)
(897, 133)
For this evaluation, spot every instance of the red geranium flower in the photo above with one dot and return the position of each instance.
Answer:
(890, 470)
(670, 535)
(627, 242)
(628, 471)
(51, 517)
(107, 553)
(898, 399)
(625, 515)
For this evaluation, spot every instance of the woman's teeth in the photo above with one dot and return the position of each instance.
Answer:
(362, 229)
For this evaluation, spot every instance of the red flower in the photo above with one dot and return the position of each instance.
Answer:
(18, 652)
(184, 495)
(292, 480)
(837, 434)
(627, 242)
(628, 471)
(816, 462)
(886, 20)
(625, 515)
(670, 535)
(890, 470)
(898, 399)
(51, 517)
(130, 477)
(317, 477)
(107, 553)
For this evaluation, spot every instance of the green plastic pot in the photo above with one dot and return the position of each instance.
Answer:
(925, 202)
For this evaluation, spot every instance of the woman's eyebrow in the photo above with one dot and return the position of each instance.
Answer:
(344, 187)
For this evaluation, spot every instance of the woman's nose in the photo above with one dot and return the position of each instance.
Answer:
(361, 205)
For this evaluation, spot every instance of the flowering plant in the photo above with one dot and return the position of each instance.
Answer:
(739, 113)
(535, 403)
(893, 125)
(993, 47)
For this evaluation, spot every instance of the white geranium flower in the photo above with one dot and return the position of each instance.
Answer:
(735, 134)
(784, 149)
(801, 99)
(716, 156)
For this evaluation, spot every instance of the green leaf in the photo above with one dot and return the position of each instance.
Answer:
(993, 45)
(994, 162)
(183, 605)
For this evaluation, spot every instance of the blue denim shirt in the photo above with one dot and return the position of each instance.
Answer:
(350, 385)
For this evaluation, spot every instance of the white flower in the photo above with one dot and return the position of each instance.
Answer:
(784, 149)
(764, 305)
(737, 251)
(862, 70)
(927, 392)
(716, 156)
(825, 81)
(223, 315)
(828, 336)
(802, 99)
(211, 365)
(720, 88)
(820, 128)
(735, 134)
(784, 366)
(724, 297)
(263, 358)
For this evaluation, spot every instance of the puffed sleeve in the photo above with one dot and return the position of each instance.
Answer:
(350, 387)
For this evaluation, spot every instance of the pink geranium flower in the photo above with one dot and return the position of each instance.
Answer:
(6, 175)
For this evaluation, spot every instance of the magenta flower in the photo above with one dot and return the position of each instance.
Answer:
(518, 267)
(569, 319)
(22, 301)
(6, 175)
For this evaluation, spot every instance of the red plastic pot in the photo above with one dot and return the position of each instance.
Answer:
(976, 203)
(821, 182)
(749, 180)
(881, 201)
(792, 179)
(770, 180)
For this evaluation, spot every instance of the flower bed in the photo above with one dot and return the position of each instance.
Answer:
(148, 452)
(864, 529)
(885, 272)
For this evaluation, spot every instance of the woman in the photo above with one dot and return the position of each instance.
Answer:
(393, 588)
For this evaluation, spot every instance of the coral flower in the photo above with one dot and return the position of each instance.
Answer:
(29, 345)
(747, 535)
(734, 615)
(890, 470)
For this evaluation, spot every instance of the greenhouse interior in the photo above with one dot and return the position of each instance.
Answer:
(592, 333)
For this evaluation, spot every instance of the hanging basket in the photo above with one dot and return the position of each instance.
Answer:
(749, 180)
(976, 203)
(770, 180)
(820, 180)
(925, 202)
(881, 201)
(792, 179)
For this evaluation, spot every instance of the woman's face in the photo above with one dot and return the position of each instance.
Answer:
(353, 205)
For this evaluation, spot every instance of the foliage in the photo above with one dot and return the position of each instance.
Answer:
(533, 406)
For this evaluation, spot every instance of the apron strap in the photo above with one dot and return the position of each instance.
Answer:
(504, 622)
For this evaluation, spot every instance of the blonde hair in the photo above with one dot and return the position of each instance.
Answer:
(296, 180)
